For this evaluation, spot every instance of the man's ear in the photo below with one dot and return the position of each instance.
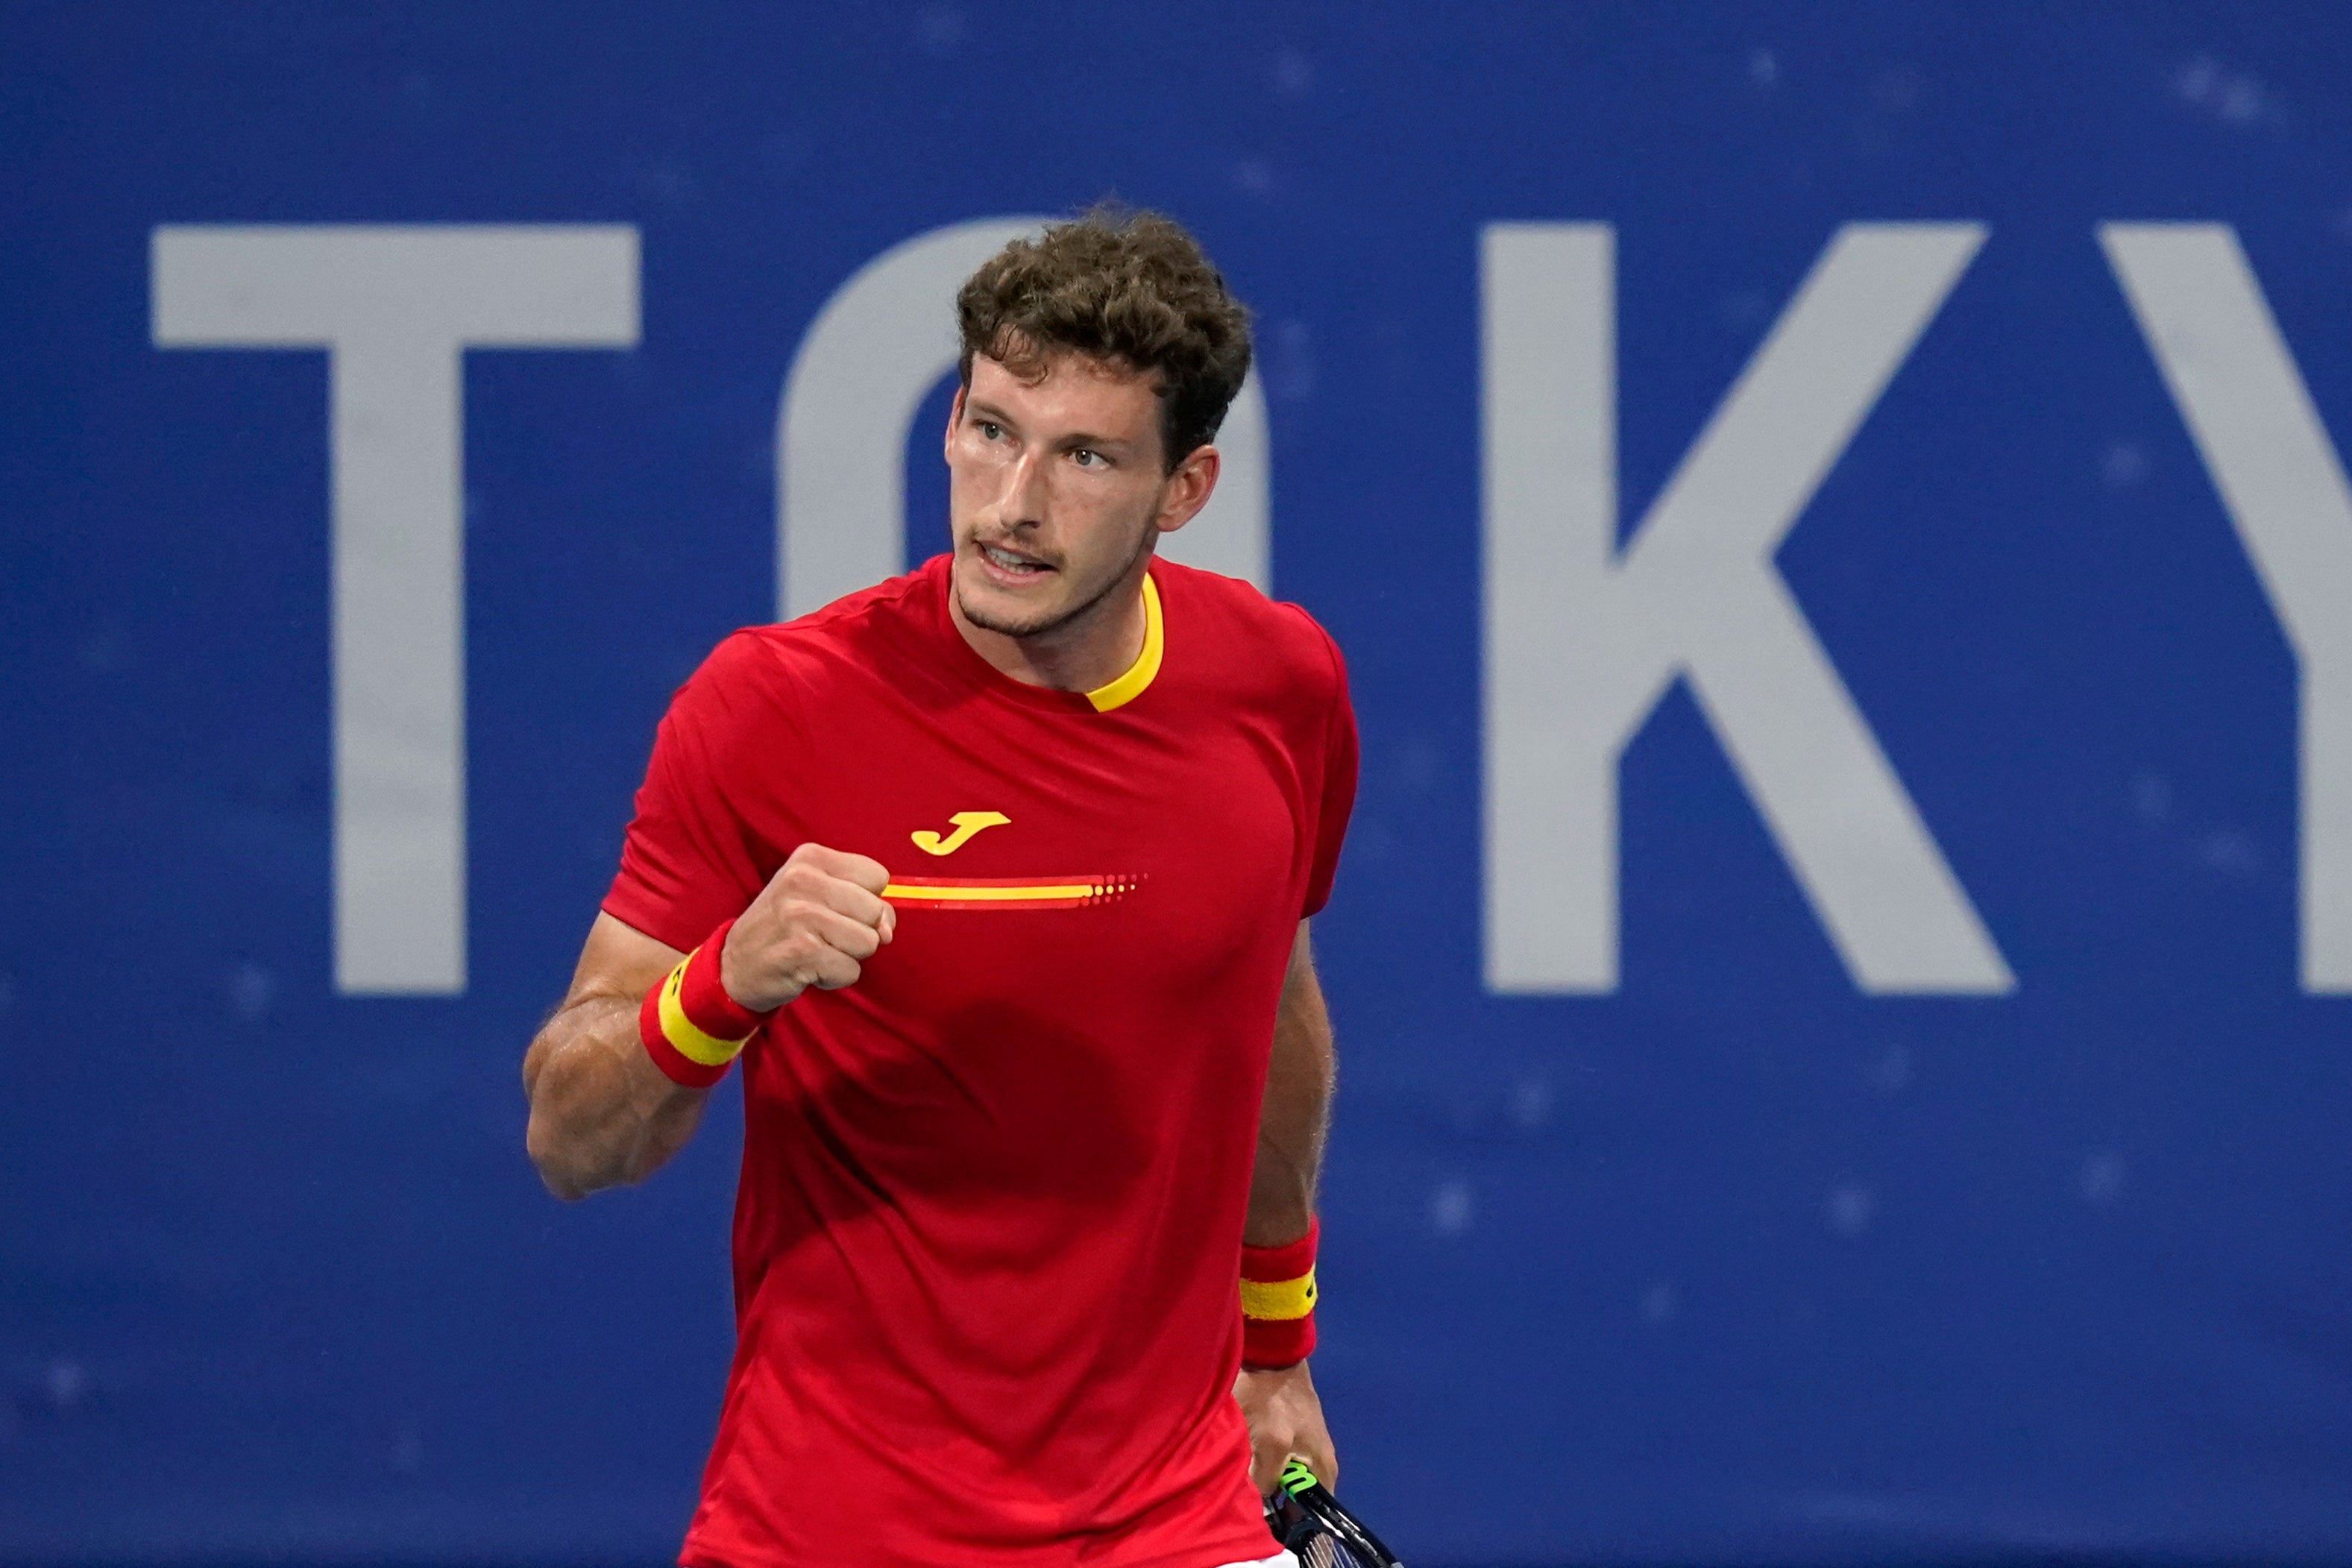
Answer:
(1188, 488)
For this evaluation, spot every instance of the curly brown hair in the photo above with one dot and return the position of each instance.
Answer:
(1119, 284)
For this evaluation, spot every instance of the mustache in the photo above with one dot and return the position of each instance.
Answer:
(1011, 545)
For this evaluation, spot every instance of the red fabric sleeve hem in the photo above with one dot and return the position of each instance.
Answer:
(648, 915)
(1336, 802)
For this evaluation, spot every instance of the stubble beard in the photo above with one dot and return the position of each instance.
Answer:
(1057, 621)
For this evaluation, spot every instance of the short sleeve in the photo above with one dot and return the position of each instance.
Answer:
(1337, 797)
(691, 859)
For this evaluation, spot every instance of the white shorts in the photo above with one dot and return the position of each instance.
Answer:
(1284, 1559)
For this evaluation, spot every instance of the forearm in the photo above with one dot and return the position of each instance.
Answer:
(1276, 1392)
(1296, 1112)
(601, 1114)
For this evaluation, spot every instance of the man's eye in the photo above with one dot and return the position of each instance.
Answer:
(1086, 458)
(989, 430)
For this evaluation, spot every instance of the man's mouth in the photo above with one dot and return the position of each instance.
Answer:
(1011, 564)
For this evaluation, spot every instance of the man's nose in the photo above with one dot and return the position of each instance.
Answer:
(1022, 503)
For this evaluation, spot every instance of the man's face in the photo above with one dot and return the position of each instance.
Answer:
(1056, 487)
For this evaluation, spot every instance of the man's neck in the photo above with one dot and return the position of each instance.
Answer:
(1092, 650)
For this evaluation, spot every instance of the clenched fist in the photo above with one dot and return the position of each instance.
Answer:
(820, 917)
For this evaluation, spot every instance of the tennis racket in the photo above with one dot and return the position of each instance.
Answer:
(1306, 1517)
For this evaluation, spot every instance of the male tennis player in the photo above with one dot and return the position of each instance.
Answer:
(997, 876)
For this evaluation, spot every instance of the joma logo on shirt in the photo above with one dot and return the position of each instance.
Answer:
(966, 824)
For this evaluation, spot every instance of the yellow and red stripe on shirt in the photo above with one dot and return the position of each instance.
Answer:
(1076, 891)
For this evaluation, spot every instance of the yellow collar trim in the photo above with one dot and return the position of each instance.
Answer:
(1130, 686)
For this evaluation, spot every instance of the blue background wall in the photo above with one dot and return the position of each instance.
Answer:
(1734, 1264)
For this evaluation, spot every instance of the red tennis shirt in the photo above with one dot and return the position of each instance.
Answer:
(988, 1225)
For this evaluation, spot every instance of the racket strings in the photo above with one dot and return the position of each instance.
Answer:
(1322, 1534)
(1326, 1551)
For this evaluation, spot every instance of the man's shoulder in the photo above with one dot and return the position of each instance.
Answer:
(761, 677)
(1248, 633)
(778, 650)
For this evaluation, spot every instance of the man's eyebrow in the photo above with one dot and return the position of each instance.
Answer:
(1080, 438)
(980, 408)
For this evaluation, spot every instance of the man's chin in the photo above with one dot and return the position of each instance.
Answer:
(992, 609)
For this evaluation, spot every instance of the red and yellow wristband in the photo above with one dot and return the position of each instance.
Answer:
(691, 1027)
(1278, 1303)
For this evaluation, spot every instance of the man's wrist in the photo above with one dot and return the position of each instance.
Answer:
(1279, 1294)
(691, 1025)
